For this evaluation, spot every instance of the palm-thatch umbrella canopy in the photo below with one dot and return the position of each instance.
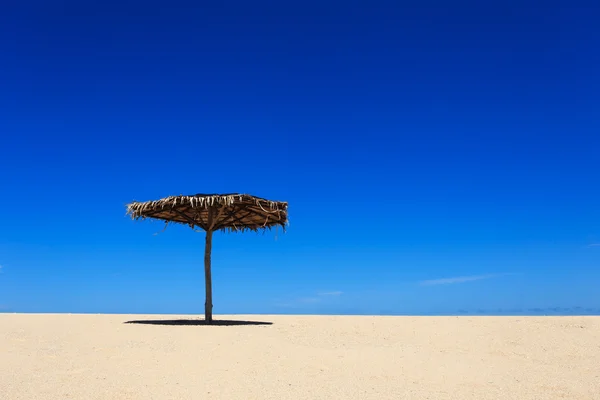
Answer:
(213, 212)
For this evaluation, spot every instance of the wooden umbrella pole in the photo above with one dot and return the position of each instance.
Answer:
(208, 278)
(207, 272)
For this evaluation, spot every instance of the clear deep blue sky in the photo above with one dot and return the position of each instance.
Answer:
(437, 158)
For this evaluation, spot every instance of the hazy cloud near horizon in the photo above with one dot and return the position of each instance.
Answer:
(459, 279)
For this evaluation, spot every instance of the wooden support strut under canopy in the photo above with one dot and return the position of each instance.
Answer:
(207, 272)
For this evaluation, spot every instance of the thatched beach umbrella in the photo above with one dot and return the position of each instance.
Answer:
(214, 212)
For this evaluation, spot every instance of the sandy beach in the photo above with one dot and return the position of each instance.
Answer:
(53, 356)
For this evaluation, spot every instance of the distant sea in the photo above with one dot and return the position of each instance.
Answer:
(551, 311)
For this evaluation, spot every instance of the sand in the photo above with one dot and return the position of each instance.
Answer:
(50, 356)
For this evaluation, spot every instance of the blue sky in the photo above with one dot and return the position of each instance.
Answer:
(437, 158)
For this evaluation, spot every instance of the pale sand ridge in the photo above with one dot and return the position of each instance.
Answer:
(53, 356)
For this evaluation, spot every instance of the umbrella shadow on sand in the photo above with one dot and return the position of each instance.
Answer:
(197, 322)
